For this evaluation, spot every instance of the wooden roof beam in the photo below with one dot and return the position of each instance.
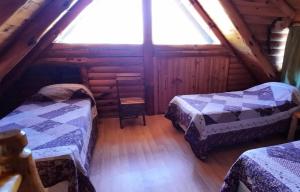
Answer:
(16, 73)
(285, 8)
(292, 16)
(237, 33)
(18, 19)
(217, 32)
(32, 34)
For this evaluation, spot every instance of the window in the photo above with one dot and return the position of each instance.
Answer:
(176, 22)
(107, 22)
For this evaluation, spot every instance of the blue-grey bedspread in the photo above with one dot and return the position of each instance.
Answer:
(58, 122)
(275, 168)
(211, 120)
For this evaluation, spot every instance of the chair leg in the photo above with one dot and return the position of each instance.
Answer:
(120, 120)
(121, 124)
(144, 120)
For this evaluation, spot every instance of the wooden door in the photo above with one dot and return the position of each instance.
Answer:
(176, 76)
(189, 75)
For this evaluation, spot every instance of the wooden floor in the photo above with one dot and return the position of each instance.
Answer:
(157, 158)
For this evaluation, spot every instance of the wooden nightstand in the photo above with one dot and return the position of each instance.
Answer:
(293, 126)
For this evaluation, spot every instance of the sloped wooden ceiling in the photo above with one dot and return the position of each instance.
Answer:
(23, 25)
(267, 20)
(259, 16)
(295, 4)
(238, 34)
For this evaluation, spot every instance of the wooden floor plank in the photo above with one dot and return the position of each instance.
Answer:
(157, 158)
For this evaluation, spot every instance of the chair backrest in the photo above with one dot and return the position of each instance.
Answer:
(17, 167)
(130, 85)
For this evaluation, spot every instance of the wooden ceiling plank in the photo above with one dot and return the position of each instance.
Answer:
(18, 19)
(260, 11)
(285, 8)
(32, 34)
(198, 7)
(242, 40)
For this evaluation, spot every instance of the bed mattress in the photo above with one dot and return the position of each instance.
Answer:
(275, 168)
(60, 134)
(211, 120)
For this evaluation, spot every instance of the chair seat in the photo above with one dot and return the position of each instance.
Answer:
(132, 101)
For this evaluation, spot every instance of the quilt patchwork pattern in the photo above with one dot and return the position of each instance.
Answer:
(217, 114)
(275, 168)
(227, 107)
(53, 125)
(56, 129)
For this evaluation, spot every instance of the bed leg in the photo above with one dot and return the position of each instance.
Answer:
(176, 126)
(200, 155)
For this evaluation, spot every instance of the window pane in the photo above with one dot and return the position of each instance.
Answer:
(107, 22)
(176, 22)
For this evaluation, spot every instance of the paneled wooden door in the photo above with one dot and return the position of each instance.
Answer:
(189, 75)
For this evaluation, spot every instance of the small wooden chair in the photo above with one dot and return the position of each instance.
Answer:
(130, 90)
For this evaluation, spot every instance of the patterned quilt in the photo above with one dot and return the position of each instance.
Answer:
(58, 122)
(275, 168)
(211, 120)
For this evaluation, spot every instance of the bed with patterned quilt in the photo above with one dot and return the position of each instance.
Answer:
(275, 168)
(60, 124)
(219, 119)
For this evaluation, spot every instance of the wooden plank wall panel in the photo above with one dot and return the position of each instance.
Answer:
(239, 77)
(190, 75)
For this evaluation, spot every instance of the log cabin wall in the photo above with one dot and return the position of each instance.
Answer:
(99, 65)
(177, 70)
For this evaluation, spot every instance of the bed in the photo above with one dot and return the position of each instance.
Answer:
(219, 119)
(60, 124)
(275, 168)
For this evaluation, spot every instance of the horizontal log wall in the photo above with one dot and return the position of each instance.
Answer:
(100, 64)
(277, 45)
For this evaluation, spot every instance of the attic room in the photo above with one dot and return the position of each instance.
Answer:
(149, 95)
